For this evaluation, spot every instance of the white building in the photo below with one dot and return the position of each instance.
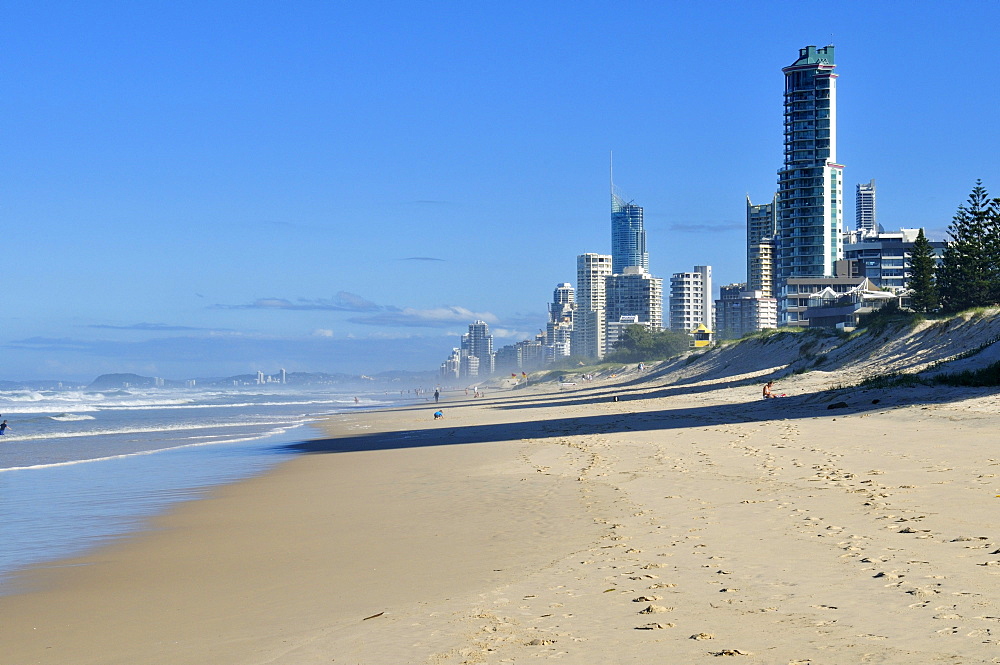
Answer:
(452, 367)
(470, 366)
(477, 344)
(866, 222)
(559, 330)
(616, 329)
(592, 271)
(691, 302)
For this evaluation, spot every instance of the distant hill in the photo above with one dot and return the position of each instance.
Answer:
(120, 381)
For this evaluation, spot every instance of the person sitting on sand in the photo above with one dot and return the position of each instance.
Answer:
(438, 415)
(768, 390)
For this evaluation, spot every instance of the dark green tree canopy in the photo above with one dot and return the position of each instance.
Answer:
(924, 295)
(638, 343)
(969, 275)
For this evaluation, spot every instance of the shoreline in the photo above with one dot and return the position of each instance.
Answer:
(559, 523)
(72, 498)
(132, 583)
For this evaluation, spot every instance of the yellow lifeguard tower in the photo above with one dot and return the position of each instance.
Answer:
(701, 336)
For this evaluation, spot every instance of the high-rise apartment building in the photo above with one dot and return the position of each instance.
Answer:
(691, 301)
(452, 367)
(810, 183)
(762, 229)
(559, 330)
(592, 271)
(628, 237)
(563, 302)
(477, 350)
(864, 209)
(635, 293)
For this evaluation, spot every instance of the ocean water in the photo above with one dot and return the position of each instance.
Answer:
(79, 469)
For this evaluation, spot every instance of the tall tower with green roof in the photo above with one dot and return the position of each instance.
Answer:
(810, 183)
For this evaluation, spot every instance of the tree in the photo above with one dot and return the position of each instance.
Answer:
(991, 246)
(969, 275)
(636, 341)
(924, 295)
(639, 343)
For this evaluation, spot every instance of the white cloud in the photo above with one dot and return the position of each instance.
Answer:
(444, 316)
(507, 333)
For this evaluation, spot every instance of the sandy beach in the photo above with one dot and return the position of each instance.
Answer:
(686, 521)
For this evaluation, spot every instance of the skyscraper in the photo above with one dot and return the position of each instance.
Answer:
(762, 227)
(592, 271)
(810, 184)
(864, 209)
(477, 350)
(628, 237)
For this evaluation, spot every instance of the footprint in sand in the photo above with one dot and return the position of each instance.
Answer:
(655, 609)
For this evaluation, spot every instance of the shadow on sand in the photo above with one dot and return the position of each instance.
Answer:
(809, 405)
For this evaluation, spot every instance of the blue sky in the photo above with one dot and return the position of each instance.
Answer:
(210, 188)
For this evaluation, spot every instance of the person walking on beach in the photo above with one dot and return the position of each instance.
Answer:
(437, 395)
(3, 428)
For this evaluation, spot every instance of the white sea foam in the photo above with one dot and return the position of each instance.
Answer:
(71, 417)
(274, 432)
(70, 402)
(138, 430)
(47, 408)
(63, 502)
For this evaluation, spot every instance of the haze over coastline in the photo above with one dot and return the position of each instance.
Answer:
(215, 190)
